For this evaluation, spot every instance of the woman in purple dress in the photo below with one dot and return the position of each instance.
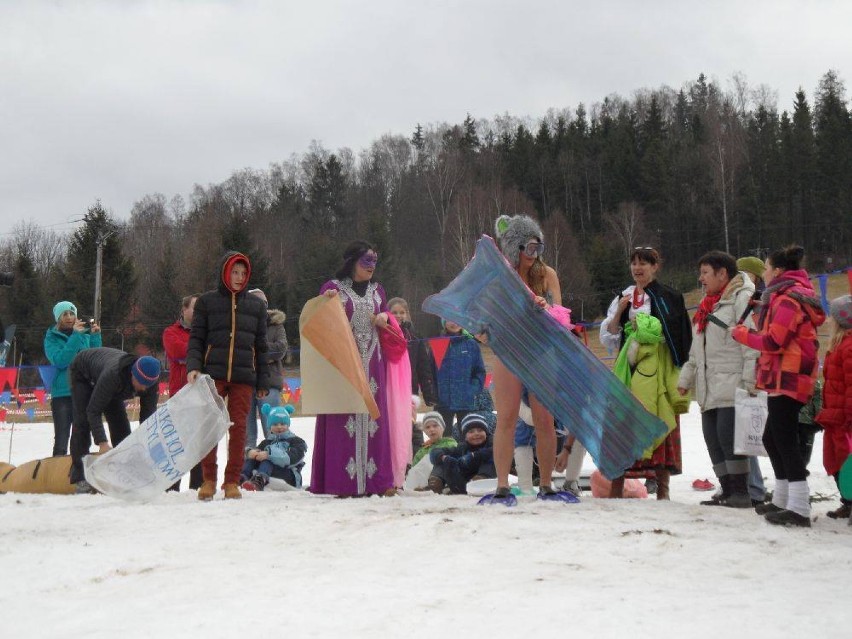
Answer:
(352, 454)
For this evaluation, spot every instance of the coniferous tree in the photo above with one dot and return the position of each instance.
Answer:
(236, 237)
(118, 282)
(833, 145)
(30, 312)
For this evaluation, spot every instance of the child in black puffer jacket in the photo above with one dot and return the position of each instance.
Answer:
(473, 459)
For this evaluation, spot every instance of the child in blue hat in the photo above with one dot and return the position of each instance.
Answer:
(281, 455)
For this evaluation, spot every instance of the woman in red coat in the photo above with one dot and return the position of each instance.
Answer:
(175, 343)
(836, 414)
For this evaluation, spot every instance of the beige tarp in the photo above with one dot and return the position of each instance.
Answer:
(333, 379)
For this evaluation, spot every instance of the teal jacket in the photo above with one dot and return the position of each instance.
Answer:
(61, 349)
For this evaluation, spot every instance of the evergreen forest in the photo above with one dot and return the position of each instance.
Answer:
(688, 170)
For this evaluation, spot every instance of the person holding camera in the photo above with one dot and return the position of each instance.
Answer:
(62, 342)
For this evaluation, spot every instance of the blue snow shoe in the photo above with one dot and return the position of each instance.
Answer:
(548, 494)
(502, 496)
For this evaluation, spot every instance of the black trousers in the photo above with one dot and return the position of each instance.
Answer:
(781, 438)
(196, 478)
(61, 408)
(81, 431)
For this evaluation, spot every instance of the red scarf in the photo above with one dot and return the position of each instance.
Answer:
(704, 309)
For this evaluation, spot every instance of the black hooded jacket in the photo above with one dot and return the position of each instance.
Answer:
(228, 336)
(107, 370)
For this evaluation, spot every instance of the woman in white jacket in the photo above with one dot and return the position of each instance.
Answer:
(717, 366)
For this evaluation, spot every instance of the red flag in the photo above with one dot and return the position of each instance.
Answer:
(2, 414)
(296, 396)
(849, 275)
(39, 395)
(8, 376)
(488, 380)
(439, 349)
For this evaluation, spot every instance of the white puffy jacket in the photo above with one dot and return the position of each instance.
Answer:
(717, 364)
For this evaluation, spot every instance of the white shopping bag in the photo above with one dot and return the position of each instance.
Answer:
(164, 447)
(418, 475)
(750, 419)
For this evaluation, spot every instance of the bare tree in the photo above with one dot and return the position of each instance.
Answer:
(444, 169)
(627, 225)
(726, 151)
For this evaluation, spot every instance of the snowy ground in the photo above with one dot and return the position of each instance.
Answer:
(297, 565)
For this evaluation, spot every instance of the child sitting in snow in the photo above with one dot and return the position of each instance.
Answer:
(473, 459)
(281, 455)
(433, 431)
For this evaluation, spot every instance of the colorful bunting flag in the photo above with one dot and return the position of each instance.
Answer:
(439, 349)
(823, 291)
(40, 395)
(48, 374)
(30, 413)
(8, 377)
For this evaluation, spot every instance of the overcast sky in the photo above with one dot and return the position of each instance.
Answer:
(114, 100)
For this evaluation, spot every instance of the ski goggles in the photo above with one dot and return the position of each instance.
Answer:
(533, 249)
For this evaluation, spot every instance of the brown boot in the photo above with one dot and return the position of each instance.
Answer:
(617, 490)
(663, 476)
(232, 491)
(207, 490)
(436, 484)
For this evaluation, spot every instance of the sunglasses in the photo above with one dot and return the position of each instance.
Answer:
(369, 260)
(643, 248)
(533, 249)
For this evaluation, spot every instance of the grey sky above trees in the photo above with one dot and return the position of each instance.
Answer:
(115, 100)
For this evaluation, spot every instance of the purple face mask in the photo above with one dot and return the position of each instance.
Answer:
(368, 260)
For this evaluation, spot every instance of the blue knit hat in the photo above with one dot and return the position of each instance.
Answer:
(146, 370)
(474, 420)
(61, 307)
(277, 414)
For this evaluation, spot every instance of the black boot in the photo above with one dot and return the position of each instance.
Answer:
(788, 518)
(738, 487)
(767, 507)
(718, 500)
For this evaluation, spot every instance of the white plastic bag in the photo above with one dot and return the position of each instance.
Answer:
(750, 420)
(418, 475)
(164, 447)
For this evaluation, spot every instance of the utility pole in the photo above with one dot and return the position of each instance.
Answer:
(99, 264)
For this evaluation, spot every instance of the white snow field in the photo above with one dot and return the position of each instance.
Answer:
(290, 564)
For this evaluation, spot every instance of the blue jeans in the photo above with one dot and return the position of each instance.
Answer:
(273, 399)
(718, 427)
(264, 468)
(60, 408)
(756, 489)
